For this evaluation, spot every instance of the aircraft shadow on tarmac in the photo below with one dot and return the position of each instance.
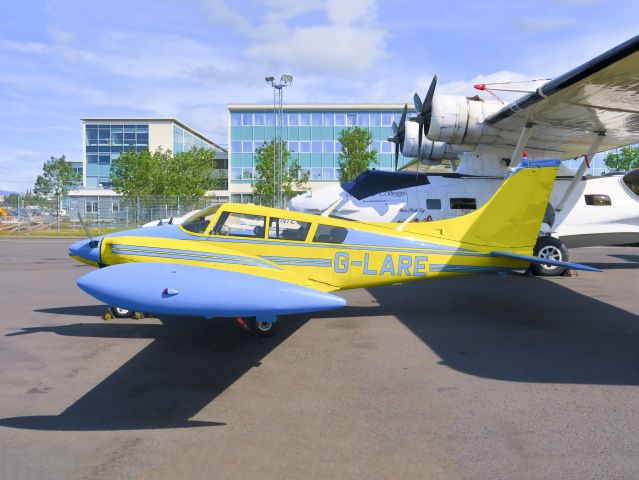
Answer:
(189, 363)
(518, 329)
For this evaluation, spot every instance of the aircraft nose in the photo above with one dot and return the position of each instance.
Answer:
(86, 250)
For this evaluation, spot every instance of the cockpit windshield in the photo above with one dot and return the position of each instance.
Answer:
(631, 179)
(198, 222)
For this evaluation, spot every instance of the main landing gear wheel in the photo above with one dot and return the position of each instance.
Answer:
(263, 329)
(553, 249)
(122, 312)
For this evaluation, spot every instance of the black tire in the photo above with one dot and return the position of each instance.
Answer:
(122, 312)
(549, 247)
(263, 329)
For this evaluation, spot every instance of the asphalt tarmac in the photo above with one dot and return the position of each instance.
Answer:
(473, 378)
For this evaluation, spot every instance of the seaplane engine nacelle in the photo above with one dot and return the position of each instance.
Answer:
(460, 120)
(432, 153)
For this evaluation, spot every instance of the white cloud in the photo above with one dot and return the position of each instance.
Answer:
(341, 48)
(347, 12)
(542, 24)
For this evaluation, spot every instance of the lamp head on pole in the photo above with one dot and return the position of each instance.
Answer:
(286, 80)
(270, 79)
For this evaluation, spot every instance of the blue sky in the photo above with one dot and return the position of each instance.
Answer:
(66, 59)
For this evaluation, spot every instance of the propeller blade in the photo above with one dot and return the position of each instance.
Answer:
(92, 243)
(431, 92)
(402, 120)
(395, 128)
(419, 141)
(418, 103)
(396, 155)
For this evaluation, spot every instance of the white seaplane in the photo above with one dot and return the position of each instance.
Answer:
(590, 109)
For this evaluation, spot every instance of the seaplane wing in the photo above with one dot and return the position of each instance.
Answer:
(597, 99)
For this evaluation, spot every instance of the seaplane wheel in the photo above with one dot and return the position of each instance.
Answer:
(554, 249)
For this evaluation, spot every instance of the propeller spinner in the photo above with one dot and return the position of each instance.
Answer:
(424, 110)
(399, 133)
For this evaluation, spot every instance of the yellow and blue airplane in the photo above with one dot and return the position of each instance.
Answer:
(249, 261)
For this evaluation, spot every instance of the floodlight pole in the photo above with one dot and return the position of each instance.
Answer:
(278, 112)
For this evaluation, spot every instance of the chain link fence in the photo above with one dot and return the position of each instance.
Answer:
(99, 212)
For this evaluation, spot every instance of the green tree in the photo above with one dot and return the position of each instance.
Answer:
(185, 174)
(355, 157)
(625, 161)
(56, 179)
(266, 163)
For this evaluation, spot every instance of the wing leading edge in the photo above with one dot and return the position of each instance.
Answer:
(569, 112)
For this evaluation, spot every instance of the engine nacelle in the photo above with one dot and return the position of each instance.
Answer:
(432, 153)
(460, 120)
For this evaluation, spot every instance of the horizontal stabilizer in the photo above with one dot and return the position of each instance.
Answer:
(187, 290)
(372, 182)
(546, 261)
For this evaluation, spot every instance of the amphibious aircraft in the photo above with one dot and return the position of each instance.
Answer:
(591, 108)
(242, 260)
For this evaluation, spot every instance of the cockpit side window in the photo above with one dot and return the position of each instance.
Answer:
(285, 229)
(330, 234)
(631, 179)
(240, 225)
(198, 222)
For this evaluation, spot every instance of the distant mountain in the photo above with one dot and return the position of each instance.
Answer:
(6, 193)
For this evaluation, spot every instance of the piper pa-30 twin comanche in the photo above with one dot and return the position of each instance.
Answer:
(248, 261)
(590, 109)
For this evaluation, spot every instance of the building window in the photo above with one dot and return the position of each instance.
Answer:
(316, 119)
(236, 118)
(115, 207)
(362, 119)
(328, 119)
(463, 204)
(351, 119)
(247, 118)
(90, 206)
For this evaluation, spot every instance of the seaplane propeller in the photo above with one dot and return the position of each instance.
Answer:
(423, 110)
(399, 134)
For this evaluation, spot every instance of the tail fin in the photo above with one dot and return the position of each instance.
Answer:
(511, 219)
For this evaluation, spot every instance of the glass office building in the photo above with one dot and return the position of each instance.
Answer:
(106, 138)
(311, 133)
(104, 143)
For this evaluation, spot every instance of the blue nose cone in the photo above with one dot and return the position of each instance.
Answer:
(86, 250)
